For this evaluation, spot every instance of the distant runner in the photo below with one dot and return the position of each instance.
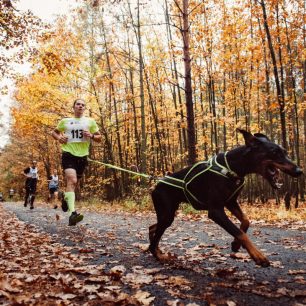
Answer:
(75, 135)
(31, 174)
(53, 182)
(11, 193)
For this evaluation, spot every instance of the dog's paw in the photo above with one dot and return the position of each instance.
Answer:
(261, 260)
(164, 257)
(263, 263)
(235, 245)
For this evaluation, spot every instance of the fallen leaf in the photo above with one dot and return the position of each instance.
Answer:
(295, 272)
(144, 297)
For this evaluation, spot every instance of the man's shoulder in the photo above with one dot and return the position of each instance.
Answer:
(90, 121)
(26, 170)
(62, 123)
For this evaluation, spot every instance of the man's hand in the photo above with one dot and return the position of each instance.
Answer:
(87, 134)
(94, 136)
(62, 139)
(57, 135)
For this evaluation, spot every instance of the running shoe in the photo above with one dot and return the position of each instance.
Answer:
(75, 218)
(64, 202)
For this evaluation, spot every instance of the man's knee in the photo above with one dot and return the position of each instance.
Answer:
(71, 181)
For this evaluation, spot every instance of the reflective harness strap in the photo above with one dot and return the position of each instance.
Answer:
(239, 187)
(213, 166)
(186, 190)
(177, 182)
(183, 184)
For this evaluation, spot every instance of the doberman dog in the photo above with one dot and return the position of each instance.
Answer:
(215, 185)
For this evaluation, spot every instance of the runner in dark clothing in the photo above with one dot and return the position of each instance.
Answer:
(31, 174)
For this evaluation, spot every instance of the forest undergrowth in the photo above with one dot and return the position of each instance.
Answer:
(269, 212)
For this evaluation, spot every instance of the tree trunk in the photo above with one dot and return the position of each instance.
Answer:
(280, 97)
(188, 87)
(113, 99)
(176, 89)
(143, 147)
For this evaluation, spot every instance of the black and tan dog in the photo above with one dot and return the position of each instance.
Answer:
(215, 184)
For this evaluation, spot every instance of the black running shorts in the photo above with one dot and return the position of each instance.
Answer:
(77, 163)
(30, 185)
(53, 189)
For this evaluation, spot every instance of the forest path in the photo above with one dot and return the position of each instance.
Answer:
(102, 261)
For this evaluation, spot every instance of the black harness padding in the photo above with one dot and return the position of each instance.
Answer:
(199, 169)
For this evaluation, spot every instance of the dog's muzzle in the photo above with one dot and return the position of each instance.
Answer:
(298, 172)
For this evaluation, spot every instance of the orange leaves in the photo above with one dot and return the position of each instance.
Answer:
(17, 30)
(232, 80)
(115, 269)
(53, 63)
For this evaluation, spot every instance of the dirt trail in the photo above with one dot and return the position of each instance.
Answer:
(103, 261)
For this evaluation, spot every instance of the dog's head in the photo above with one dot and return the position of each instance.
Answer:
(269, 158)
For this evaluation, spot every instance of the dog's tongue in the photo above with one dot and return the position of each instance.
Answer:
(279, 185)
(277, 178)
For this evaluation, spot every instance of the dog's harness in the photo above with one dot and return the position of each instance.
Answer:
(211, 165)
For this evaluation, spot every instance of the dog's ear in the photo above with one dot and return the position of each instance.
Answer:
(262, 136)
(250, 140)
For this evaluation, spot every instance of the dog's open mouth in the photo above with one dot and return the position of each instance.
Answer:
(273, 176)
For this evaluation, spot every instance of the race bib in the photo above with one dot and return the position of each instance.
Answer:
(74, 130)
(33, 173)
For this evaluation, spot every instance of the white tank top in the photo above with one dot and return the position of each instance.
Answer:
(54, 181)
(33, 173)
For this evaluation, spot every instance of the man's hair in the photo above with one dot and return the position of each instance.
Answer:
(76, 100)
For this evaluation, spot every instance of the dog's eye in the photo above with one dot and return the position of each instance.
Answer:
(274, 153)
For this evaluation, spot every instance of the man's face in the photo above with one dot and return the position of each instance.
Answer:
(79, 107)
(34, 163)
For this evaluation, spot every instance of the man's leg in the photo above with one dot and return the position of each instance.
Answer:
(71, 181)
(33, 192)
(32, 201)
(26, 196)
(54, 199)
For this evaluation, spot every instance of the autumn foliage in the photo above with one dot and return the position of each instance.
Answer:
(247, 61)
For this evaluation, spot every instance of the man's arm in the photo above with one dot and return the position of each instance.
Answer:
(25, 171)
(93, 136)
(96, 137)
(93, 132)
(57, 135)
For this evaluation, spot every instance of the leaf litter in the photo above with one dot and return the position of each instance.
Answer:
(37, 269)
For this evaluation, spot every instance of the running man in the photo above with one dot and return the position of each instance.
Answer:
(11, 193)
(53, 188)
(75, 135)
(31, 174)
